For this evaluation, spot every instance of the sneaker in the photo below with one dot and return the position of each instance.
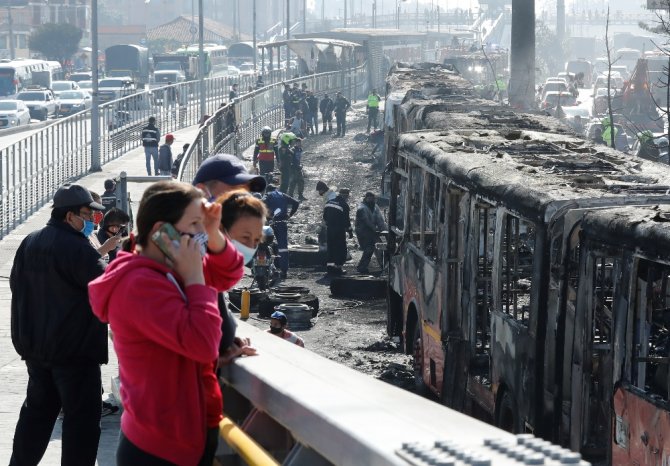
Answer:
(108, 408)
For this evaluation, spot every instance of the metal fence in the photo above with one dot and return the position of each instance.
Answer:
(237, 125)
(33, 168)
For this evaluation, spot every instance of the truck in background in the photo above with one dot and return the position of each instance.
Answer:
(174, 68)
(128, 60)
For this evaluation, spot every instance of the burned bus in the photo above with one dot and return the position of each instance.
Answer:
(487, 284)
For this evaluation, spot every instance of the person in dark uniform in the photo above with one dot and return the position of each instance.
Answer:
(326, 109)
(338, 224)
(285, 157)
(281, 207)
(341, 105)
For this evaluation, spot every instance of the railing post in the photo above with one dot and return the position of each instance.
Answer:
(122, 192)
(95, 104)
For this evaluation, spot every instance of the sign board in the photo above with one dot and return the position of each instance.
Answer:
(658, 4)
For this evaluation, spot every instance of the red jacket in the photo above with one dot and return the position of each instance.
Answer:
(164, 337)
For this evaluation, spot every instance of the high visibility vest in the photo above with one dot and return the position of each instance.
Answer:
(373, 101)
(266, 150)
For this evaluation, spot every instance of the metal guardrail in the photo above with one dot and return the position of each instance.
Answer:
(237, 125)
(304, 409)
(33, 168)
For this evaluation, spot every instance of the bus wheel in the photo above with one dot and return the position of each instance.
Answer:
(419, 384)
(508, 416)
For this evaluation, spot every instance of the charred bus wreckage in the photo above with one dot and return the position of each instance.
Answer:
(528, 270)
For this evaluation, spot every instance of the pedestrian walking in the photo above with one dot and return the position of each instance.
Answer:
(165, 156)
(265, 152)
(297, 174)
(338, 224)
(288, 103)
(166, 339)
(369, 223)
(340, 106)
(150, 139)
(281, 207)
(177, 162)
(326, 108)
(57, 335)
(372, 109)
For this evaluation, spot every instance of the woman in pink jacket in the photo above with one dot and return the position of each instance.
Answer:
(163, 313)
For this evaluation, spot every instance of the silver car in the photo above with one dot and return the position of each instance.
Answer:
(13, 113)
(72, 102)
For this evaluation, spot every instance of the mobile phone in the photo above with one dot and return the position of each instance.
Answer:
(172, 233)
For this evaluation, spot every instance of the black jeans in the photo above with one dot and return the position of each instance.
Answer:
(128, 454)
(77, 390)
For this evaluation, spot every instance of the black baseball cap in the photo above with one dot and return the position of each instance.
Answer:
(230, 170)
(73, 195)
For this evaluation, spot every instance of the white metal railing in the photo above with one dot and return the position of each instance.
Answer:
(33, 168)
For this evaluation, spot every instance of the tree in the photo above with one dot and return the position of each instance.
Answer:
(56, 41)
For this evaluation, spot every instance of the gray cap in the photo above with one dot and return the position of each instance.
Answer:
(73, 195)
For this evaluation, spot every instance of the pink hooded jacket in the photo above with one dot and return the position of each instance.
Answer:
(164, 334)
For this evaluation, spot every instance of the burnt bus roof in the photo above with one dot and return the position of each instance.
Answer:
(645, 229)
(538, 173)
(428, 79)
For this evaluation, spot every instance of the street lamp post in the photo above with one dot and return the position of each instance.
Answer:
(10, 24)
(201, 58)
(254, 34)
(96, 166)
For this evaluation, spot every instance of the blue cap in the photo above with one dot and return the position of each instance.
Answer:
(280, 316)
(230, 170)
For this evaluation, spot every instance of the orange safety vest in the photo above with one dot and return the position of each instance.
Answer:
(266, 151)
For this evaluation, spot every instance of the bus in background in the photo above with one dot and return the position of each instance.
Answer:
(240, 53)
(128, 60)
(216, 58)
(52, 72)
(16, 75)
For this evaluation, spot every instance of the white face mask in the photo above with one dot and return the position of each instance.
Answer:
(247, 252)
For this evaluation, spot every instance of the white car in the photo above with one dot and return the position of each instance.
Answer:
(247, 69)
(59, 86)
(13, 113)
(233, 71)
(86, 85)
(72, 102)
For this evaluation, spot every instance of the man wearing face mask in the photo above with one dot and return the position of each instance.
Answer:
(57, 334)
(222, 173)
(278, 326)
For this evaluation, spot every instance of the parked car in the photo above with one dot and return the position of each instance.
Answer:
(41, 102)
(13, 113)
(60, 86)
(72, 102)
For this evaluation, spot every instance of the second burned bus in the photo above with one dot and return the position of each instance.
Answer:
(498, 289)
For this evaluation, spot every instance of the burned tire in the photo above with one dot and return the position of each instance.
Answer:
(360, 286)
(299, 315)
(306, 255)
(267, 305)
(290, 289)
(393, 313)
(235, 298)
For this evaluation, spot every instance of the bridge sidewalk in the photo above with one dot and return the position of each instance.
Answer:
(13, 375)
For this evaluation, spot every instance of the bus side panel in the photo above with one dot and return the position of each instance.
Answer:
(513, 361)
(641, 430)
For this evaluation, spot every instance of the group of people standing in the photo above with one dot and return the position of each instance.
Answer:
(302, 106)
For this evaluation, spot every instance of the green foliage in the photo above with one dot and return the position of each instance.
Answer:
(548, 52)
(56, 41)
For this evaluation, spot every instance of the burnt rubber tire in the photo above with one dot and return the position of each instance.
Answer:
(358, 286)
(393, 313)
(290, 289)
(299, 315)
(235, 297)
(507, 417)
(267, 305)
(306, 255)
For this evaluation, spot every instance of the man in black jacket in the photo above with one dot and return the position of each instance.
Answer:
(338, 224)
(151, 136)
(326, 109)
(56, 333)
(341, 105)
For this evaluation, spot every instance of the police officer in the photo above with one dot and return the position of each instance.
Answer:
(288, 104)
(265, 152)
(373, 109)
(285, 157)
(326, 109)
(281, 207)
(150, 138)
(341, 105)
(338, 224)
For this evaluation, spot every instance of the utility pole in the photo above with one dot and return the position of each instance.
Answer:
(345, 14)
(417, 16)
(10, 23)
(201, 58)
(323, 14)
(522, 55)
(374, 14)
(288, 37)
(304, 16)
(254, 35)
(96, 166)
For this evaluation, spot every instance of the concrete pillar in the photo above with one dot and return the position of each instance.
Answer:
(522, 54)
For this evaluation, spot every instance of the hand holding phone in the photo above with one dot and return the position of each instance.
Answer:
(182, 251)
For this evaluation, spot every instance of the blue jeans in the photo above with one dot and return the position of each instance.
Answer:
(151, 152)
